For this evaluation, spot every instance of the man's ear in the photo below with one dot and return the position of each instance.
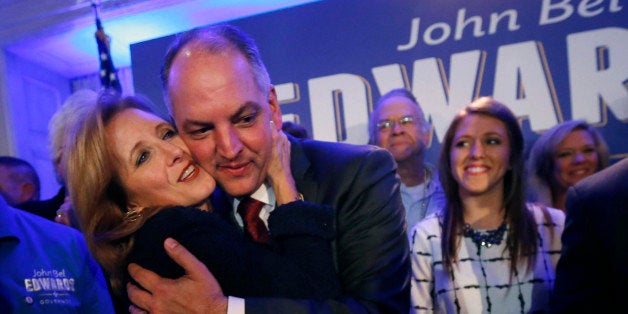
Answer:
(427, 136)
(27, 192)
(275, 111)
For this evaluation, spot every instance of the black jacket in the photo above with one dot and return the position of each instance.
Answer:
(371, 250)
(592, 272)
(297, 264)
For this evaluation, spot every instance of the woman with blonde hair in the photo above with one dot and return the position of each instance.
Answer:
(560, 158)
(133, 184)
(487, 251)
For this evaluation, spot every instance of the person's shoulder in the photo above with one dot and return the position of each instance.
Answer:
(426, 228)
(46, 208)
(342, 161)
(181, 215)
(334, 147)
(429, 225)
(344, 152)
(53, 236)
(41, 225)
(177, 219)
(612, 178)
(543, 214)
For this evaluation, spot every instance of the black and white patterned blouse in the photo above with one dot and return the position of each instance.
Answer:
(481, 281)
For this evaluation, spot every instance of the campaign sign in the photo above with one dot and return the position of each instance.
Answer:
(549, 61)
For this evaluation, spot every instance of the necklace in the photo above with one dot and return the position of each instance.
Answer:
(485, 238)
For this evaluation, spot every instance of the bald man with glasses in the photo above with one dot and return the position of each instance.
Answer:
(399, 126)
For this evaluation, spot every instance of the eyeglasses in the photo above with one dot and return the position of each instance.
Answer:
(386, 125)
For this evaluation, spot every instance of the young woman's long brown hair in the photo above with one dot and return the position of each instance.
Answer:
(521, 239)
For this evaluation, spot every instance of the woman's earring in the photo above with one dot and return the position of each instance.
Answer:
(132, 214)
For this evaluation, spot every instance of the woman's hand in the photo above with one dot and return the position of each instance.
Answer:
(65, 212)
(279, 173)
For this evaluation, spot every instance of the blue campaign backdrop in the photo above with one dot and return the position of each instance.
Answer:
(549, 60)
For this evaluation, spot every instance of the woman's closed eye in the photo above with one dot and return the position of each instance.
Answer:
(168, 134)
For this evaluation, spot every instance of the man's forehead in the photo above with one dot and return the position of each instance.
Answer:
(390, 109)
(206, 114)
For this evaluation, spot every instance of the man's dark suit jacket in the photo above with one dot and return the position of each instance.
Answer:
(371, 246)
(592, 273)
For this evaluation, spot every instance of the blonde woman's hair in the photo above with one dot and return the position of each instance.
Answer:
(98, 197)
(72, 111)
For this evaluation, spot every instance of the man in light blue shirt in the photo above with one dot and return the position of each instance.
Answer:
(399, 126)
(46, 267)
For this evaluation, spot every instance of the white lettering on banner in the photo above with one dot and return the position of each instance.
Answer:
(554, 12)
(287, 93)
(440, 97)
(389, 77)
(598, 70)
(439, 32)
(340, 102)
(441, 28)
(523, 81)
(597, 65)
(461, 23)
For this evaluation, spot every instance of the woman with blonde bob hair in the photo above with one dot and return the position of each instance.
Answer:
(487, 251)
(133, 184)
(560, 158)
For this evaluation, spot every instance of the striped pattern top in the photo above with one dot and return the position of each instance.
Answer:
(480, 281)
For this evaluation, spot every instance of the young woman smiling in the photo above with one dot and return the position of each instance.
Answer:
(561, 157)
(488, 251)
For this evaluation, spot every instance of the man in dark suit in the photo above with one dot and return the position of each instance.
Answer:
(220, 96)
(592, 273)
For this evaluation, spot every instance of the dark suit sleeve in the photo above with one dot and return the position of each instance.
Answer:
(591, 275)
(573, 270)
(372, 252)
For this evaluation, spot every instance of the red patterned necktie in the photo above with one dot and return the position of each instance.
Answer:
(249, 209)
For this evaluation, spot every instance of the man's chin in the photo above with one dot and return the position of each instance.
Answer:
(238, 188)
(401, 155)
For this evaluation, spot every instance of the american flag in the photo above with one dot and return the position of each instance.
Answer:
(108, 74)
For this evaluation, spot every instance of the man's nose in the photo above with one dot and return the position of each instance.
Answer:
(228, 142)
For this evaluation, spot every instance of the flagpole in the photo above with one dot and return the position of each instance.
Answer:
(96, 8)
(108, 74)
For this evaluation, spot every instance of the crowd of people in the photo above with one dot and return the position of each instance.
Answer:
(224, 208)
